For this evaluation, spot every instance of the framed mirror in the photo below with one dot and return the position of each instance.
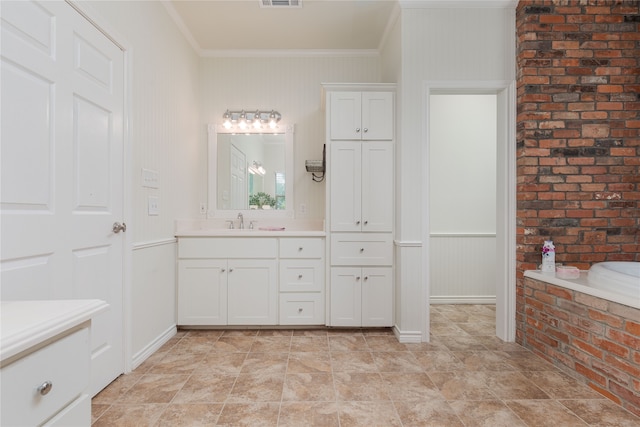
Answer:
(250, 172)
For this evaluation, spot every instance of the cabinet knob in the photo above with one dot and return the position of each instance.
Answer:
(358, 222)
(357, 277)
(366, 222)
(45, 388)
(223, 270)
(357, 130)
(300, 249)
(366, 130)
(299, 276)
(299, 310)
(366, 277)
(361, 250)
(230, 270)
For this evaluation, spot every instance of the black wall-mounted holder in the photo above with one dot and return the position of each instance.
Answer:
(317, 166)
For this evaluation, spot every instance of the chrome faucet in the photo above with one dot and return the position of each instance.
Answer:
(241, 218)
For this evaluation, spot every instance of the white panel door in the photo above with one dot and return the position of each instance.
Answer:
(346, 301)
(377, 297)
(377, 115)
(202, 292)
(345, 174)
(238, 179)
(252, 292)
(62, 167)
(345, 120)
(377, 186)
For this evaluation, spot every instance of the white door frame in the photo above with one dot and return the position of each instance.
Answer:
(506, 198)
(105, 28)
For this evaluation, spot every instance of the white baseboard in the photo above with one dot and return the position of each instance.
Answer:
(153, 346)
(407, 336)
(463, 299)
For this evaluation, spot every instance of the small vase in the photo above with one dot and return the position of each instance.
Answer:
(548, 257)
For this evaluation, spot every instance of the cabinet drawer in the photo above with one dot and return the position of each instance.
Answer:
(361, 249)
(227, 247)
(301, 248)
(301, 309)
(301, 275)
(65, 363)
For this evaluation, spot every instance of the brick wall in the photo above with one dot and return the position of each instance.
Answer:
(578, 133)
(594, 339)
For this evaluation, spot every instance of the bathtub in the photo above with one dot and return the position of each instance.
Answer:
(614, 281)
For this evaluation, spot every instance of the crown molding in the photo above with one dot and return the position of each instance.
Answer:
(458, 4)
(287, 53)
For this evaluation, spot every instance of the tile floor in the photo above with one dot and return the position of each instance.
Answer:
(464, 377)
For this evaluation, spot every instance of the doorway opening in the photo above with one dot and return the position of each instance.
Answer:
(469, 197)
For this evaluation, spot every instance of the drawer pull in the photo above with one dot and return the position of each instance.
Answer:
(45, 388)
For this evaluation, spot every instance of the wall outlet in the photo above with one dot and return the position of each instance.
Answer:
(203, 208)
(153, 207)
(302, 209)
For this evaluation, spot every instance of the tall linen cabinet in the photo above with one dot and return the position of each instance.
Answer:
(360, 134)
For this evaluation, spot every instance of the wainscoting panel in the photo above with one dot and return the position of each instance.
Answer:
(462, 268)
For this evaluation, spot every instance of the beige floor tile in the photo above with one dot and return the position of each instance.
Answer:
(384, 343)
(559, 385)
(304, 362)
(207, 388)
(177, 363)
(438, 361)
(360, 386)
(154, 388)
(221, 363)
(432, 413)
(484, 360)
(309, 343)
(189, 415)
(265, 363)
(485, 413)
(196, 344)
(513, 385)
(257, 388)
(249, 415)
(353, 361)
(233, 344)
(368, 414)
(130, 415)
(309, 414)
(411, 386)
(271, 344)
(309, 387)
(460, 343)
(601, 412)
(348, 343)
(114, 391)
(209, 334)
(396, 361)
(542, 412)
(462, 385)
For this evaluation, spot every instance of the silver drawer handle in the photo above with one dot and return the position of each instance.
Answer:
(45, 388)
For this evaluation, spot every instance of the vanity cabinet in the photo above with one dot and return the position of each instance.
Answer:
(361, 115)
(301, 281)
(360, 204)
(227, 281)
(361, 186)
(250, 281)
(361, 296)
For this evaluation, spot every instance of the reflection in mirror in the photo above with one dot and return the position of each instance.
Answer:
(250, 172)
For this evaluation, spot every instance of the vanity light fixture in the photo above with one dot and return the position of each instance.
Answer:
(257, 169)
(258, 119)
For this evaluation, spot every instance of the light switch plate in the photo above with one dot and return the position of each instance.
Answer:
(150, 178)
(153, 207)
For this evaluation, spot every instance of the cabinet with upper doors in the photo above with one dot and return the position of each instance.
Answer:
(360, 204)
(361, 115)
(361, 186)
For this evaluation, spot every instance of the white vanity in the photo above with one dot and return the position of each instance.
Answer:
(248, 277)
(45, 353)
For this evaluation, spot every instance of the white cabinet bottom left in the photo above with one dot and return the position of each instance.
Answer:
(227, 292)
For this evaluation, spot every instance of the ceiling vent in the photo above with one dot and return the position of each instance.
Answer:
(280, 3)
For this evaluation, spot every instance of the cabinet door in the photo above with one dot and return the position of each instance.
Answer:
(202, 292)
(346, 307)
(252, 292)
(346, 181)
(377, 115)
(377, 297)
(377, 186)
(345, 115)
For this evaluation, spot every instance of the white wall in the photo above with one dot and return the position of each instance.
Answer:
(165, 116)
(292, 87)
(438, 44)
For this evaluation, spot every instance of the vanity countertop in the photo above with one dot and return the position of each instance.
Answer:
(219, 228)
(28, 323)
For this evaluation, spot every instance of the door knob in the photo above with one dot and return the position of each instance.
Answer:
(117, 227)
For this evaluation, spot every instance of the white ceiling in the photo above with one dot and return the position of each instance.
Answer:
(227, 26)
